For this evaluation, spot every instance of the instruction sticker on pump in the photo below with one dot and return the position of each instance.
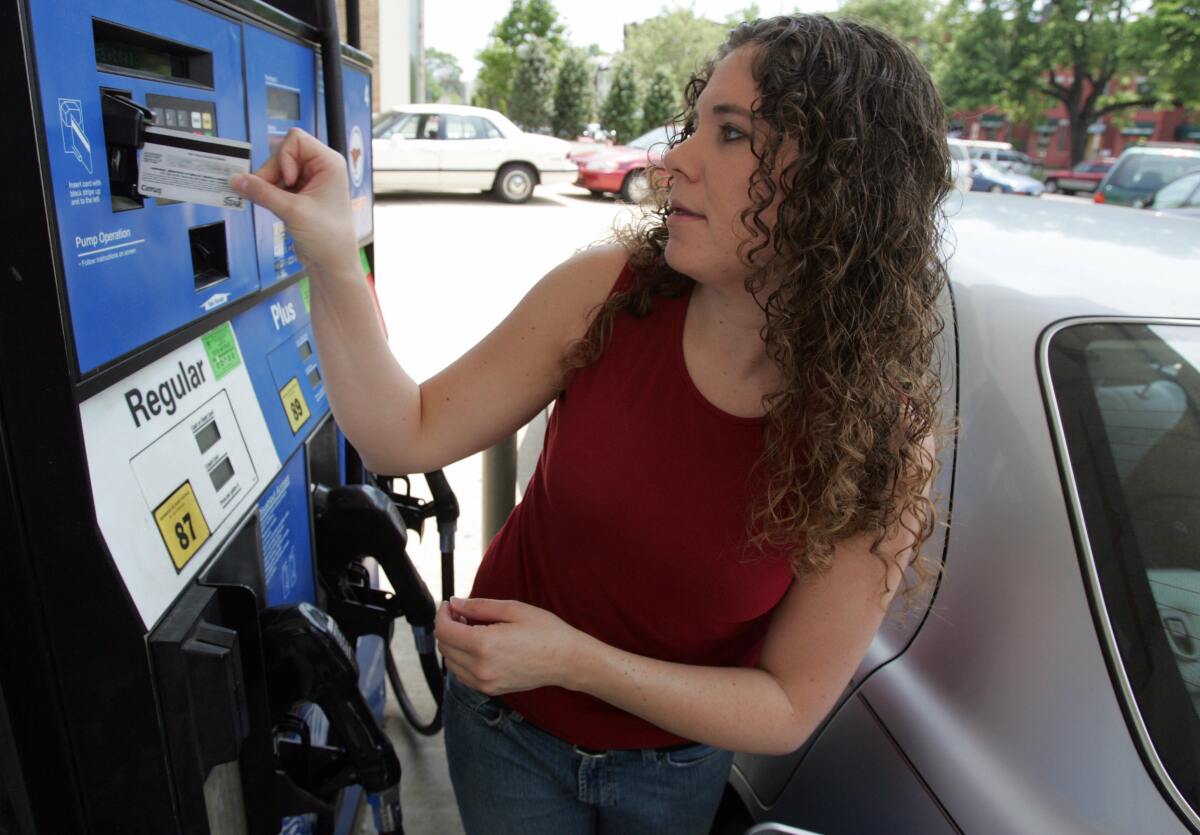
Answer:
(191, 168)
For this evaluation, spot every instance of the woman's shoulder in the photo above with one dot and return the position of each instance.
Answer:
(579, 285)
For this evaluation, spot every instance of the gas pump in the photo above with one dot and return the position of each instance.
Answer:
(167, 663)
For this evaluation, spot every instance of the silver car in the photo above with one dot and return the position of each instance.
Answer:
(1052, 684)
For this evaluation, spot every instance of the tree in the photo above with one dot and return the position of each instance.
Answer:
(909, 20)
(661, 102)
(620, 111)
(572, 95)
(533, 87)
(1094, 57)
(527, 20)
(675, 41)
(443, 77)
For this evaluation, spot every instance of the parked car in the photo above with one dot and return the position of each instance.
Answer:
(1144, 169)
(1178, 197)
(1084, 177)
(1052, 685)
(960, 164)
(439, 147)
(1003, 158)
(987, 177)
(621, 169)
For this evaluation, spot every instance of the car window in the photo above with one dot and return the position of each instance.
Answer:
(649, 139)
(490, 130)
(1150, 172)
(1128, 404)
(959, 153)
(1176, 194)
(388, 124)
(429, 126)
(403, 125)
(465, 127)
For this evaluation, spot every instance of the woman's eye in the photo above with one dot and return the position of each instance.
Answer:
(730, 134)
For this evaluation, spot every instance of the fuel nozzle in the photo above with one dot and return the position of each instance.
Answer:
(308, 660)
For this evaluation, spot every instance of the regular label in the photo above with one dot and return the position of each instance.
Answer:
(182, 525)
(222, 350)
(293, 403)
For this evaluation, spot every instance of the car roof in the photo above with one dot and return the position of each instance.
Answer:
(458, 109)
(1059, 259)
(1165, 150)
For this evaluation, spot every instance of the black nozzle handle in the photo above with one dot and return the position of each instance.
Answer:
(359, 520)
(445, 503)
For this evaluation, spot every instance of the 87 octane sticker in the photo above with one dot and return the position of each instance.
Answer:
(182, 525)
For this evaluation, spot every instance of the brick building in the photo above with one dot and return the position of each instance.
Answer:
(1048, 139)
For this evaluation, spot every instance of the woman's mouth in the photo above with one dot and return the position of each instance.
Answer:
(680, 213)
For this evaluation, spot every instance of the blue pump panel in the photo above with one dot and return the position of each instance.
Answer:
(280, 95)
(356, 86)
(130, 271)
(357, 89)
(277, 341)
(286, 536)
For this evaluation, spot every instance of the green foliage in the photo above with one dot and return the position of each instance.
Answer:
(750, 13)
(443, 77)
(620, 110)
(661, 103)
(675, 41)
(909, 20)
(533, 88)
(572, 95)
(1171, 40)
(1027, 55)
(527, 20)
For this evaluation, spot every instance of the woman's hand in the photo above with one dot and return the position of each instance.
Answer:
(503, 646)
(305, 183)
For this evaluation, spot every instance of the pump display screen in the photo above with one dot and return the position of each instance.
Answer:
(283, 104)
(314, 377)
(305, 350)
(221, 473)
(208, 435)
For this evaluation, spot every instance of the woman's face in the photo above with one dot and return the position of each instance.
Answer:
(710, 177)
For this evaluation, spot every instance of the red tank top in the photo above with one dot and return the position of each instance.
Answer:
(633, 526)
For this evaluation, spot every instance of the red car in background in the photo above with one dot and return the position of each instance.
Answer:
(621, 169)
(1083, 177)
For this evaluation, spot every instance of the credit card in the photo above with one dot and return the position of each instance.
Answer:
(177, 165)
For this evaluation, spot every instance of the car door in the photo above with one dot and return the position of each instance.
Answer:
(470, 153)
(406, 153)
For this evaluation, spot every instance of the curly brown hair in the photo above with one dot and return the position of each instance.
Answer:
(852, 280)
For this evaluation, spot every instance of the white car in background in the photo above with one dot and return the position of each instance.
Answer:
(447, 147)
(960, 164)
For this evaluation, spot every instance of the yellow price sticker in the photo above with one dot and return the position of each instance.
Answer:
(182, 525)
(293, 404)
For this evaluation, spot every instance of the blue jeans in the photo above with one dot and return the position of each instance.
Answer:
(511, 777)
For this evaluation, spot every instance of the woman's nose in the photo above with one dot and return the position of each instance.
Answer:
(678, 160)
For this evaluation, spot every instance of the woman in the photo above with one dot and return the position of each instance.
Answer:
(736, 473)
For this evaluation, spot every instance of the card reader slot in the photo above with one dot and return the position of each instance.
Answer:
(124, 125)
(210, 254)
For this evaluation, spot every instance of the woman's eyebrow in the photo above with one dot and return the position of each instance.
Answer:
(735, 109)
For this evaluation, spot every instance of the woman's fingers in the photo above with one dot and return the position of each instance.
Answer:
(258, 190)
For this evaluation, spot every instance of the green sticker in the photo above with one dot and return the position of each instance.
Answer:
(222, 350)
(366, 265)
(306, 294)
